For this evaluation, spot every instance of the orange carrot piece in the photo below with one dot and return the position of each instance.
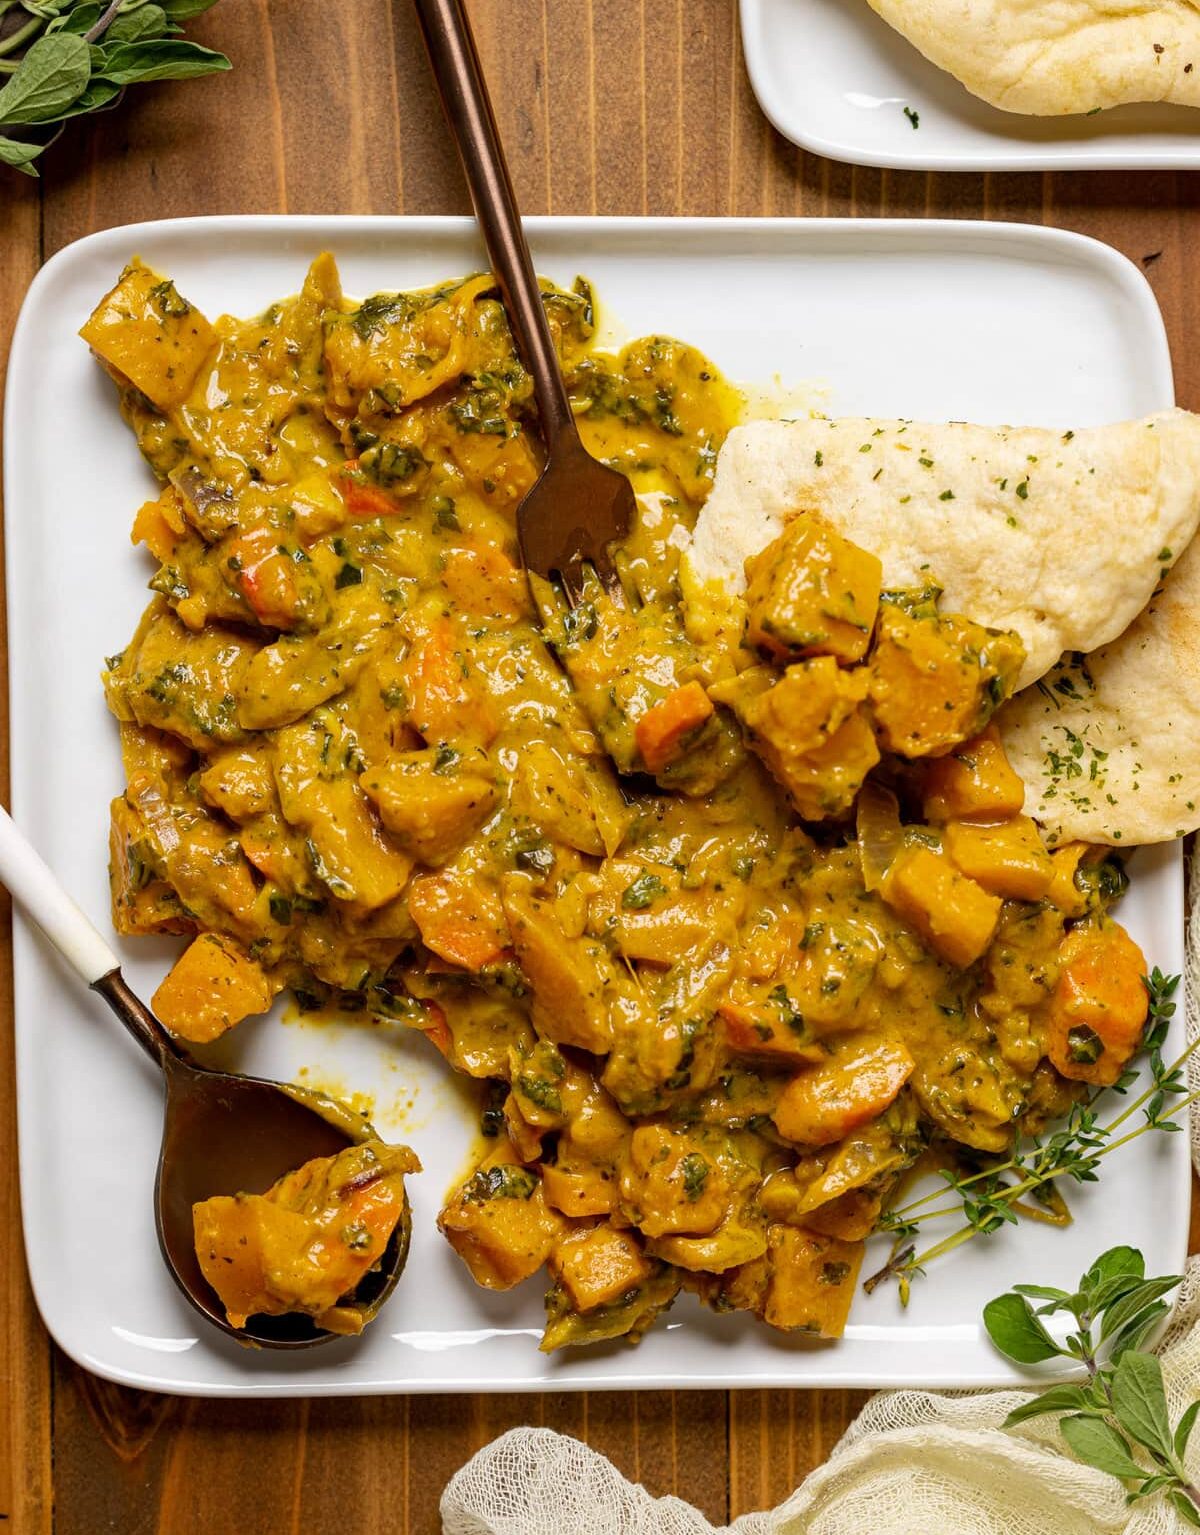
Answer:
(362, 499)
(662, 730)
(484, 582)
(444, 705)
(457, 920)
(825, 1104)
(436, 1030)
(762, 1031)
(1099, 1007)
(265, 577)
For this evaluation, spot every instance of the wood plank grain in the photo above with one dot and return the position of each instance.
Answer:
(25, 1452)
(1154, 219)
(610, 106)
(777, 1437)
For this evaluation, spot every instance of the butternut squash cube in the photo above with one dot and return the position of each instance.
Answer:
(143, 331)
(568, 975)
(812, 1283)
(665, 730)
(738, 1239)
(578, 1193)
(772, 1029)
(1010, 860)
(598, 1266)
(160, 525)
(499, 1224)
(142, 901)
(810, 731)
(954, 916)
(936, 679)
(851, 1216)
(212, 986)
(459, 917)
(670, 1185)
(812, 592)
(430, 801)
(973, 782)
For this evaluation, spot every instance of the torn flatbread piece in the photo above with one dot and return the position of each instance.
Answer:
(1060, 536)
(1048, 58)
(1109, 744)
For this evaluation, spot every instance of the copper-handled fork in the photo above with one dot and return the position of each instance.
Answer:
(579, 507)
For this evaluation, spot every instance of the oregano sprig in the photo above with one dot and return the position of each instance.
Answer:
(62, 58)
(1116, 1420)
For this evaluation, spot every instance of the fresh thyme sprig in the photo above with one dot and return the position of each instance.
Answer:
(63, 58)
(1121, 1409)
(996, 1195)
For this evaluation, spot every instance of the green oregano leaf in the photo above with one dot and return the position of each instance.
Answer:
(167, 58)
(142, 25)
(1151, 1485)
(20, 155)
(1116, 1263)
(1135, 1332)
(1015, 1330)
(51, 76)
(79, 20)
(1140, 1402)
(1056, 1399)
(1136, 1301)
(180, 10)
(1098, 1444)
(1062, 1298)
(1183, 1429)
(1105, 1294)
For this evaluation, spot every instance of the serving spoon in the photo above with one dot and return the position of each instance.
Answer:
(222, 1134)
(578, 507)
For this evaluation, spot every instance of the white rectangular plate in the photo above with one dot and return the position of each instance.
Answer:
(834, 78)
(932, 320)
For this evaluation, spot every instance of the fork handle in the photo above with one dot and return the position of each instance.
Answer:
(468, 108)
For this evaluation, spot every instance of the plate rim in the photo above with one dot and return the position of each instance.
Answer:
(881, 233)
(1085, 157)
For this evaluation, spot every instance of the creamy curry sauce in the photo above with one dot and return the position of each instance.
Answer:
(735, 928)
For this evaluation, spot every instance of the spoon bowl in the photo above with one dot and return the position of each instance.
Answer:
(222, 1134)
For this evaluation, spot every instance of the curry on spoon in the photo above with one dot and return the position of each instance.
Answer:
(224, 1135)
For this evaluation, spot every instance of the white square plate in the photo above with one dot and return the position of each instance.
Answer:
(834, 78)
(933, 320)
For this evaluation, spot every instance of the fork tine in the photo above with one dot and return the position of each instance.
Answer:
(610, 577)
(571, 579)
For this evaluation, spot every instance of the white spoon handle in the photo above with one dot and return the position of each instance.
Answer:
(45, 900)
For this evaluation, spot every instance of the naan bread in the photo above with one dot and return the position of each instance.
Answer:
(1050, 57)
(1059, 536)
(1109, 744)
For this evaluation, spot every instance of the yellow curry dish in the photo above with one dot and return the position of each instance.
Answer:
(734, 932)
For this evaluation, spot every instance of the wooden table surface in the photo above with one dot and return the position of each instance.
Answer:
(606, 106)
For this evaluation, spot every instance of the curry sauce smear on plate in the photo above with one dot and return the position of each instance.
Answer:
(738, 928)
